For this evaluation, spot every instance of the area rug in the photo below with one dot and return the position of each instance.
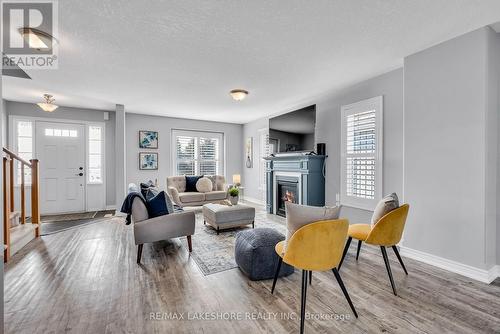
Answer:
(215, 253)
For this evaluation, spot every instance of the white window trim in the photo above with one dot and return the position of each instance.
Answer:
(103, 152)
(12, 140)
(375, 103)
(198, 133)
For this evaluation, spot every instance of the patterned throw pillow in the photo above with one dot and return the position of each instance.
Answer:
(214, 183)
(149, 190)
(204, 185)
(386, 205)
(298, 216)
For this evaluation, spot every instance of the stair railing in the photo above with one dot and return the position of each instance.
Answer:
(8, 195)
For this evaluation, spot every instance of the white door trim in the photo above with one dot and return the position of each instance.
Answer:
(12, 144)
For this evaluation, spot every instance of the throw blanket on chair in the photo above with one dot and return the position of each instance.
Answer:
(127, 204)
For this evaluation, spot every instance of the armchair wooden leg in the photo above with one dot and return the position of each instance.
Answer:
(388, 267)
(276, 274)
(346, 248)
(189, 244)
(139, 253)
(359, 248)
(303, 301)
(399, 258)
(344, 290)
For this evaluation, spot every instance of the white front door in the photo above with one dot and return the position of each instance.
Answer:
(60, 147)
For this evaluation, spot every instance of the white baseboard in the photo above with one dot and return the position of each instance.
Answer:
(482, 275)
(494, 273)
(254, 200)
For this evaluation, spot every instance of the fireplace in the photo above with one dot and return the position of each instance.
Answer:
(297, 178)
(286, 191)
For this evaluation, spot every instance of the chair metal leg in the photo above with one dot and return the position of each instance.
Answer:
(276, 274)
(190, 246)
(346, 248)
(303, 301)
(310, 277)
(388, 266)
(344, 290)
(359, 248)
(399, 258)
(139, 253)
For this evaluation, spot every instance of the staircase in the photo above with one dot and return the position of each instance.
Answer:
(16, 232)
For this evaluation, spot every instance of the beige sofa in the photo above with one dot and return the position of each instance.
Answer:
(176, 187)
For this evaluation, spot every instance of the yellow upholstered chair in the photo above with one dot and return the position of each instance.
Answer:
(386, 233)
(315, 247)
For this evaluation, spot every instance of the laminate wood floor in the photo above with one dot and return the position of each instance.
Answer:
(86, 280)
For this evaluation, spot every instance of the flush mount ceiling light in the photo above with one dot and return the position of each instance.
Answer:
(48, 105)
(37, 39)
(238, 94)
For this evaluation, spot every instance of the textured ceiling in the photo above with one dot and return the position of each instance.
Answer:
(181, 58)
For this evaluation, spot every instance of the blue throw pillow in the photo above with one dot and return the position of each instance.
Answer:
(157, 205)
(191, 183)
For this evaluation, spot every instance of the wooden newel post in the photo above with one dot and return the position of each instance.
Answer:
(23, 196)
(11, 185)
(6, 212)
(35, 204)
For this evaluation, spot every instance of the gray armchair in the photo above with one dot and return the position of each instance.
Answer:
(173, 225)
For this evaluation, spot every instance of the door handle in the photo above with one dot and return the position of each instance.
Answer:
(79, 174)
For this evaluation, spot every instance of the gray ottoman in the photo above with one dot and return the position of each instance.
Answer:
(255, 254)
(223, 216)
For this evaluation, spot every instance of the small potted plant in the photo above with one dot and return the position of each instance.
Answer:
(233, 195)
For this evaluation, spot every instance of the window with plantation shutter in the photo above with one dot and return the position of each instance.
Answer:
(361, 168)
(197, 152)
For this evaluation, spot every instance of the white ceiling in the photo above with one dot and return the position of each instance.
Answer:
(181, 58)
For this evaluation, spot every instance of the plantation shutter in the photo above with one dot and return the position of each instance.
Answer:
(361, 155)
(185, 155)
(361, 168)
(197, 153)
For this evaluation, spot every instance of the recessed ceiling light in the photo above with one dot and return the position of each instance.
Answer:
(238, 94)
(48, 105)
(38, 39)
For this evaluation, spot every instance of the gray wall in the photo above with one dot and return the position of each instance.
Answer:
(164, 125)
(390, 85)
(447, 145)
(80, 114)
(250, 176)
(496, 61)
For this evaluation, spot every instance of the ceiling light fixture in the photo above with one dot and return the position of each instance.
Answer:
(48, 105)
(238, 94)
(37, 39)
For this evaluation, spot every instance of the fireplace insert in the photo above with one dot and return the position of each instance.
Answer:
(287, 191)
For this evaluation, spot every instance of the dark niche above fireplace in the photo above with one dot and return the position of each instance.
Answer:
(287, 191)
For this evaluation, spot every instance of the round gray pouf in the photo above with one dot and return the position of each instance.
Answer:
(255, 254)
